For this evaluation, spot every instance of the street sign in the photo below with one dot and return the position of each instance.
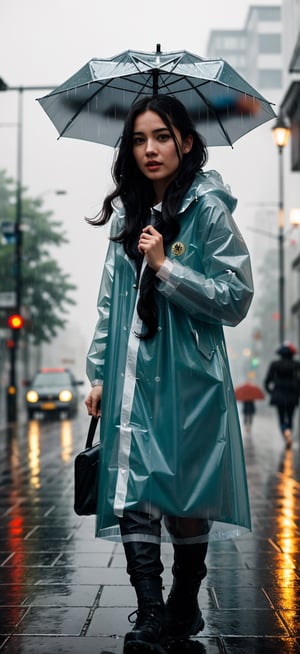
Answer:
(8, 232)
(7, 299)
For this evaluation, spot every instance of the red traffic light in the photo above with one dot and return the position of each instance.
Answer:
(15, 321)
(10, 343)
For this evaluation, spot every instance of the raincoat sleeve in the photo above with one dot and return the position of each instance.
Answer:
(269, 380)
(222, 291)
(96, 353)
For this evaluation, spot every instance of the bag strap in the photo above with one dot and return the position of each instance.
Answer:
(91, 432)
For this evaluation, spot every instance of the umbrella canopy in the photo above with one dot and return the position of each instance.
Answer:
(248, 392)
(92, 104)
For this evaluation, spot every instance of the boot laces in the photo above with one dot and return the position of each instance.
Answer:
(147, 616)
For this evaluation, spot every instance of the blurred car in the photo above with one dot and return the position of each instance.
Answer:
(53, 391)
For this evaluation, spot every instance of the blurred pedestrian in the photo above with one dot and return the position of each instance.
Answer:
(177, 268)
(283, 383)
(248, 413)
(248, 393)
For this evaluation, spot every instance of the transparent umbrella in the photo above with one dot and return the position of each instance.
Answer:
(92, 104)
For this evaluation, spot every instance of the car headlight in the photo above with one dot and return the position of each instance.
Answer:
(65, 396)
(32, 396)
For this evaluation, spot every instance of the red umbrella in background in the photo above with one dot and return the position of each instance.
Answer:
(248, 392)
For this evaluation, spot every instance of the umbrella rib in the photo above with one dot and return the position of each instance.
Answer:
(80, 110)
(153, 77)
(211, 108)
(136, 94)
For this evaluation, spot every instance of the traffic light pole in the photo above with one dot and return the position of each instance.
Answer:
(12, 394)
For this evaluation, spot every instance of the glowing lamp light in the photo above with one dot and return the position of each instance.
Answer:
(281, 132)
(295, 217)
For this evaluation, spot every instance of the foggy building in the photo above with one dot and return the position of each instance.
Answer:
(254, 51)
(290, 109)
(267, 53)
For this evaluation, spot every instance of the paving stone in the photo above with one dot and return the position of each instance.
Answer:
(62, 590)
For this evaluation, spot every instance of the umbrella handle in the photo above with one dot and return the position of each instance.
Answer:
(155, 73)
(155, 82)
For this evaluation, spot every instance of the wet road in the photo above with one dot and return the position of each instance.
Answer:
(63, 591)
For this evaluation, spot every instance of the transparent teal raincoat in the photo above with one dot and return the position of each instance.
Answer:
(170, 433)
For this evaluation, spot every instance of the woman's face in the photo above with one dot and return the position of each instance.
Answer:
(155, 152)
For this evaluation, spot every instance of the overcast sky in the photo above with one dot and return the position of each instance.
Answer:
(43, 43)
(46, 41)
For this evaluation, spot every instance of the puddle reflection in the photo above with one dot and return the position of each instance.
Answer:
(34, 459)
(66, 440)
(12, 449)
(34, 451)
(15, 573)
(288, 490)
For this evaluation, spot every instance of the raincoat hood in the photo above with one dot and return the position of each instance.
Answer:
(206, 183)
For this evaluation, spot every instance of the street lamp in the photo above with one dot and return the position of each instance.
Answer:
(12, 405)
(295, 217)
(281, 133)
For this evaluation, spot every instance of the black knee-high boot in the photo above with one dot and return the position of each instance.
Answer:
(144, 567)
(183, 616)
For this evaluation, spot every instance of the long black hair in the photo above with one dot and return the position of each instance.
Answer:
(137, 194)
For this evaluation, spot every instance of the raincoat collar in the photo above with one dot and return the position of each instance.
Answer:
(203, 183)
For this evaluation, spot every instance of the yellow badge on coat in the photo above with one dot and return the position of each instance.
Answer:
(178, 248)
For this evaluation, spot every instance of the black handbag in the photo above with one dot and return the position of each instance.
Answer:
(86, 469)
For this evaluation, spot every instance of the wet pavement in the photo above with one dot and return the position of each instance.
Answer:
(63, 591)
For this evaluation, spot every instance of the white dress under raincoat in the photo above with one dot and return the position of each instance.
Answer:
(170, 433)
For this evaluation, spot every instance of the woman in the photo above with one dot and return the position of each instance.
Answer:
(177, 269)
